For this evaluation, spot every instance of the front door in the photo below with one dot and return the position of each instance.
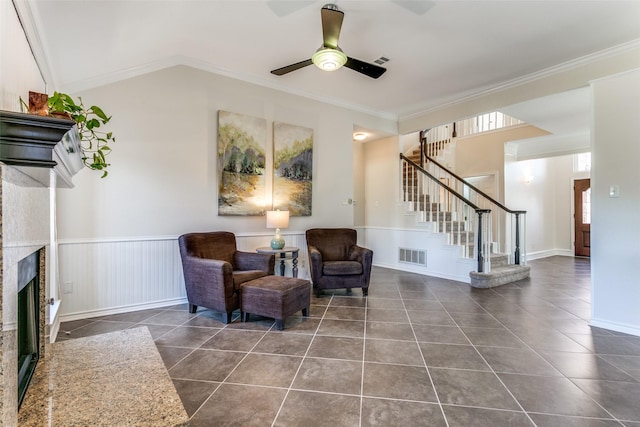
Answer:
(582, 215)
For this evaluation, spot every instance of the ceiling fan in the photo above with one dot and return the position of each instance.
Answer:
(329, 56)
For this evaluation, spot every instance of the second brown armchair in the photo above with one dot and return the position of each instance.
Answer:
(336, 261)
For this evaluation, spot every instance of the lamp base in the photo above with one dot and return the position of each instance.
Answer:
(277, 243)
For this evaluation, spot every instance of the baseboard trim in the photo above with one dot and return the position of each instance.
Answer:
(121, 309)
(615, 326)
(423, 272)
(54, 320)
(549, 253)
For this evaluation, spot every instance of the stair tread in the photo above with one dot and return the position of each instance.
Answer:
(504, 269)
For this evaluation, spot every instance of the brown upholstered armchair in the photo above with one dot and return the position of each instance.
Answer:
(213, 270)
(336, 261)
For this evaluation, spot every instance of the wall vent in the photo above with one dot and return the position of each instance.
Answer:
(413, 256)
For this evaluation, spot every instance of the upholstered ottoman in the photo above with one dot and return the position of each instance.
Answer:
(276, 297)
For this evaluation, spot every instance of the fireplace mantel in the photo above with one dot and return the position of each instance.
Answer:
(36, 143)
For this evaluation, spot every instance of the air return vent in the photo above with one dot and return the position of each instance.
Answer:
(413, 256)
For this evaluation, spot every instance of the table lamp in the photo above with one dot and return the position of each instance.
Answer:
(277, 220)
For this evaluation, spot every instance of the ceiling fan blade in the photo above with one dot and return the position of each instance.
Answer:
(371, 70)
(292, 67)
(331, 25)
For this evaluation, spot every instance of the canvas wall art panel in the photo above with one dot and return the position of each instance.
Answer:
(293, 168)
(241, 164)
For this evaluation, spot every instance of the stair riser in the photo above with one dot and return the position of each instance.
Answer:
(449, 227)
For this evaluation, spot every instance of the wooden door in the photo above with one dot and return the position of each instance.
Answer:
(582, 216)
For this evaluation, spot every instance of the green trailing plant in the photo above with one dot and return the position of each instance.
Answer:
(94, 140)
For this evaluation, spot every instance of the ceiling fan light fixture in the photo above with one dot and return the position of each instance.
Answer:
(329, 59)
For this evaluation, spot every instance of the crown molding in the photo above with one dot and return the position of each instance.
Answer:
(530, 78)
(177, 60)
(30, 27)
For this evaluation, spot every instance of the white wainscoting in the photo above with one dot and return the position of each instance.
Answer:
(101, 277)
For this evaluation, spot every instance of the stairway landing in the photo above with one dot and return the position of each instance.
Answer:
(501, 273)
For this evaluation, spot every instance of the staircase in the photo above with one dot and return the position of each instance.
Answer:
(442, 199)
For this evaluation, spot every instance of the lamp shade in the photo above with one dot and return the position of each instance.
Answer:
(277, 219)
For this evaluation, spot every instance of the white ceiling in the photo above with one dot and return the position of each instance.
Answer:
(438, 50)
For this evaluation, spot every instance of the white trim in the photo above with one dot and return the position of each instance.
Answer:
(612, 76)
(530, 78)
(549, 253)
(120, 239)
(28, 21)
(26, 244)
(30, 28)
(121, 309)
(420, 270)
(79, 241)
(54, 320)
(198, 64)
(615, 326)
(491, 131)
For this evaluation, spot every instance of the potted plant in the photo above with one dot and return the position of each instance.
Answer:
(95, 141)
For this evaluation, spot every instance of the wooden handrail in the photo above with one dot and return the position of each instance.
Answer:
(449, 189)
(477, 190)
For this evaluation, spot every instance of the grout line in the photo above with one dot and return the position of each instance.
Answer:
(301, 362)
(433, 385)
(524, 374)
(235, 367)
(450, 295)
(488, 364)
(364, 352)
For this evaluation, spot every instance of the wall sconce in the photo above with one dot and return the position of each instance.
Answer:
(277, 220)
(528, 179)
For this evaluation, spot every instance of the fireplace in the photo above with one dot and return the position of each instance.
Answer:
(28, 320)
(28, 152)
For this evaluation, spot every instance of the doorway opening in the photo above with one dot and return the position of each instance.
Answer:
(582, 216)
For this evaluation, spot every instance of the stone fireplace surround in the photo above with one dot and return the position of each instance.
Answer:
(25, 230)
(28, 155)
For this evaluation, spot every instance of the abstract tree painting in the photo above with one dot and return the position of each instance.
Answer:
(241, 164)
(293, 168)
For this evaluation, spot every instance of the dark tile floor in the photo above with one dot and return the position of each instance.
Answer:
(419, 351)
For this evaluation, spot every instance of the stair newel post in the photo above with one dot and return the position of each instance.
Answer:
(516, 255)
(484, 263)
(423, 140)
(479, 242)
(517, 252)
(403, 178)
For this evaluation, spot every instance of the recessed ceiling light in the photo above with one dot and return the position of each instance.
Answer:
(359, 136)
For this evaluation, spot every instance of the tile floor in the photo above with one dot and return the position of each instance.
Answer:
(419, 351)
